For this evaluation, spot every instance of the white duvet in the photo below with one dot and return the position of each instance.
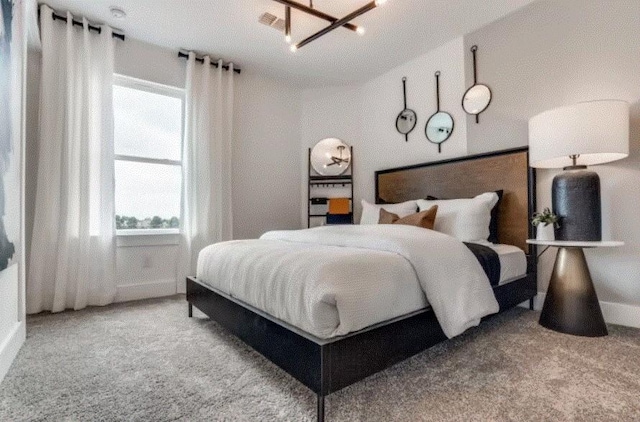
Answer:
(333, 280)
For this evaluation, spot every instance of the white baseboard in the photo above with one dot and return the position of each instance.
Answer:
(621, 314)
(182, 286)
(613, 313)
(149, 290)
(538, 301)
(11, 346)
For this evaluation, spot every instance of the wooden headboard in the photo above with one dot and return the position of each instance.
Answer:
(467, 177)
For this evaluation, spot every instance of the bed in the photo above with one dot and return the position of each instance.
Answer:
(326, 361)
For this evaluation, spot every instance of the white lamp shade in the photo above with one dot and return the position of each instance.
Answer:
(597, 131)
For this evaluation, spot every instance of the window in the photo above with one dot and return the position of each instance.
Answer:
(148, 153)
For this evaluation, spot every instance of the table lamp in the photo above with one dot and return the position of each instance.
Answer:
(572, 138)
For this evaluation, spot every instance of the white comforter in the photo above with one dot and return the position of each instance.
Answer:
(333, 280)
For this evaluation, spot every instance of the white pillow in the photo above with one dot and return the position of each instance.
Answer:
(465, 219)
(371, 212)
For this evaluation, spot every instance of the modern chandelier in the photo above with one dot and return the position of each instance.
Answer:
(334, 22)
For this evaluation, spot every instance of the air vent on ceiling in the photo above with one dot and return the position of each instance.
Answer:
(272, 21)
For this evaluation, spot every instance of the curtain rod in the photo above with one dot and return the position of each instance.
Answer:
(91, 27)
(214, 64)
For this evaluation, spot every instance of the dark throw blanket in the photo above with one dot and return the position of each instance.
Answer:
(489, 260)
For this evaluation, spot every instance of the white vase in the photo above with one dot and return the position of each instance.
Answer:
(545, 232)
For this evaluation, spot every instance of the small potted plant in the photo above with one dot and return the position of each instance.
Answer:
(545, 222)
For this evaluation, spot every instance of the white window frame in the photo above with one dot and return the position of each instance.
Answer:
(169, 91)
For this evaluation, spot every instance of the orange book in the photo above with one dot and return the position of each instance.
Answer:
(339, 205)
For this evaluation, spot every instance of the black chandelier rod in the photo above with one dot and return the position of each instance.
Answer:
(287, 23)
(316, 13)
(214, 64)
(340, 22)
(91, 27)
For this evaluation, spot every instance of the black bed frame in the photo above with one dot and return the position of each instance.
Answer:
(328, 365)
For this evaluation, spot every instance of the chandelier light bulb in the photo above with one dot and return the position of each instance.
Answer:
(361, 30)
(293, 48)
(288, 39)
(380, 2)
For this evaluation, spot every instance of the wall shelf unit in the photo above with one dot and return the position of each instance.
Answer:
(321, 189)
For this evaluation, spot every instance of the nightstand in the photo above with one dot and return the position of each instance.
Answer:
(571, 305)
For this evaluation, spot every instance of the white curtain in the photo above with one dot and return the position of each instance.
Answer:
(206, 160)
(72, 263)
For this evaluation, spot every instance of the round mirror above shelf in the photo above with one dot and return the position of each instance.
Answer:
(330, 157)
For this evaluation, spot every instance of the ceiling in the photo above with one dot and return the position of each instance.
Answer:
(395, 32)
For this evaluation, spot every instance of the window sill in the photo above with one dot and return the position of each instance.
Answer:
(144, 237)
(146, 232)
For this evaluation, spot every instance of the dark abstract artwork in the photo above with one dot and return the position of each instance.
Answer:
(7, 248)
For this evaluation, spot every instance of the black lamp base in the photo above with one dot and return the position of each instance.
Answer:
(575, 196)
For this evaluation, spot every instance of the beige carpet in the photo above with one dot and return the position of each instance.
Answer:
(148, 361)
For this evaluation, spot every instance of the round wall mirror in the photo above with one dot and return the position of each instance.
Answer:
(439, 127)
(476, 99)
(406, 121)
(407, 118)
(330, 157)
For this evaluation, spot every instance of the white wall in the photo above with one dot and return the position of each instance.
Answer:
(31, 145)
(333, 112)
(555, 53)
(12, 323)
(364, 116)
(141, 271)
(149, 62)
(266, 163)
(265, 166)
(12, 315)
(381, 145)
(548, 54)
(146, 266)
